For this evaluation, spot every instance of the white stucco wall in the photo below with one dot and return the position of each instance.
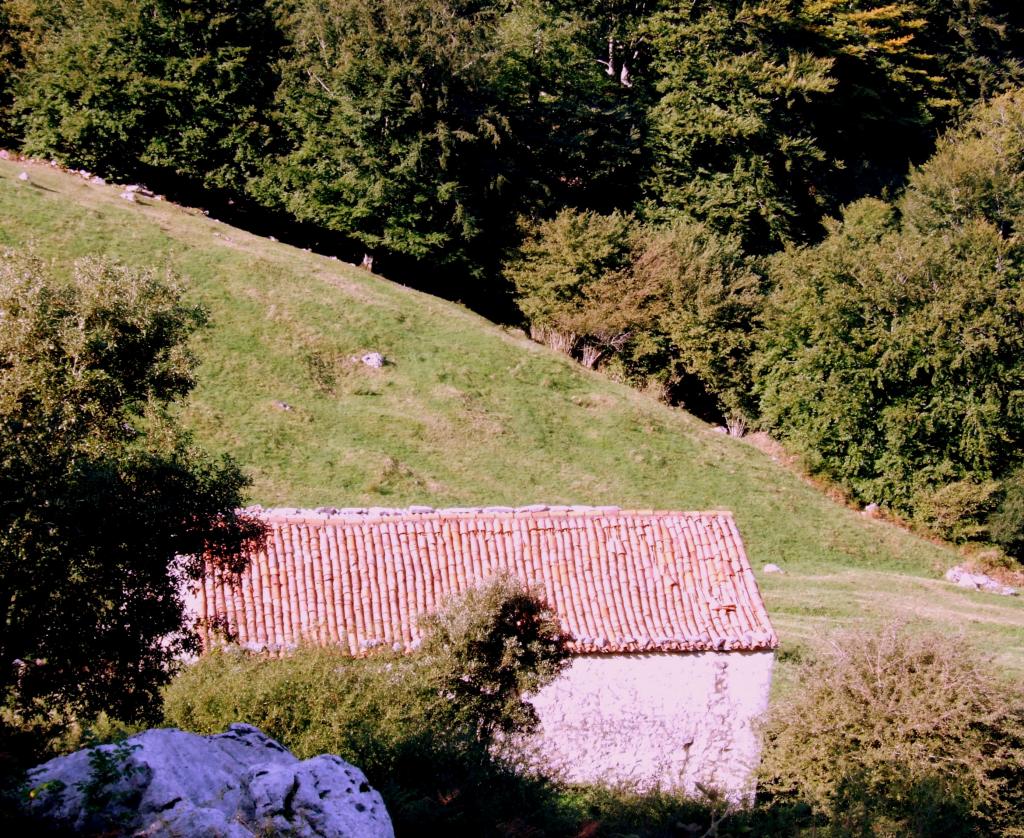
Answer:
(668, 720)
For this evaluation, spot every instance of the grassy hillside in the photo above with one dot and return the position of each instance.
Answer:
(466, 413)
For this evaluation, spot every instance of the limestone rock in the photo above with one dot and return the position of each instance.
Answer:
(237, 784)
(964, 578)
(373, 359)
(871, 510)
(24, 176)
(139, 189)
(773, 568)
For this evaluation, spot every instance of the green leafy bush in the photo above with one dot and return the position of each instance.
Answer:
(571, 278)
(702, 302)
(957, 511)
(673, 303)
(104, 501)
(426, 727)
(1006, 524)
(894, 733)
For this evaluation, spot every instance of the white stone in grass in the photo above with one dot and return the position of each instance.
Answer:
(964, 578)
(773, 568)
(24, 176)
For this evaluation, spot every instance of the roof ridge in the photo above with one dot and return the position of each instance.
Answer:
(374, 513)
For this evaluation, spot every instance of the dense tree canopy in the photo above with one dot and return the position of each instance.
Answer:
(733, 132)
(103, 500)
(893, 353)
(122, 87)
(424, 128)
(394, 132)
(771, 115)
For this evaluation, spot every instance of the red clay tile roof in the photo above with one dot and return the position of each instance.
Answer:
(619, 581)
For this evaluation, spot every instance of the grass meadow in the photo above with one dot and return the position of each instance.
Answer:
(468, 413)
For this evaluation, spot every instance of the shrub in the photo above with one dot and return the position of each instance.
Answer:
(954, 510)
(569, 277)
(1006, 524)
(674, 303)
(707, 301)
(895, 733)
(420, 725)
(488, 649)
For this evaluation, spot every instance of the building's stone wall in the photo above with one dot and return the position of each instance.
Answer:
(669, 720)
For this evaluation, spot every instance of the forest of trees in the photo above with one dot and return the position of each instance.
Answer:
(797, 215)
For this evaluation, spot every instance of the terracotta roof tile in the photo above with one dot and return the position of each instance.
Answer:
(619, 581)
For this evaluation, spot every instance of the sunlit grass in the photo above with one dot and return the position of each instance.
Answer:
(467, 413)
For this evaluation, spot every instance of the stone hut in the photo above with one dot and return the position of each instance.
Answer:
(673, 648)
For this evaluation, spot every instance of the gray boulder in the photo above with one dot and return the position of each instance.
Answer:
(238, 784)
(964, 578)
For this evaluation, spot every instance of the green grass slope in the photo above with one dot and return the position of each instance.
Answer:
(469, 414)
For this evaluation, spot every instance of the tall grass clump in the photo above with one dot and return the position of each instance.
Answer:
(896, 734)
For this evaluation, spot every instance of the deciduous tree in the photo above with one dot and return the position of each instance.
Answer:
(892, 353)
(105, 504)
